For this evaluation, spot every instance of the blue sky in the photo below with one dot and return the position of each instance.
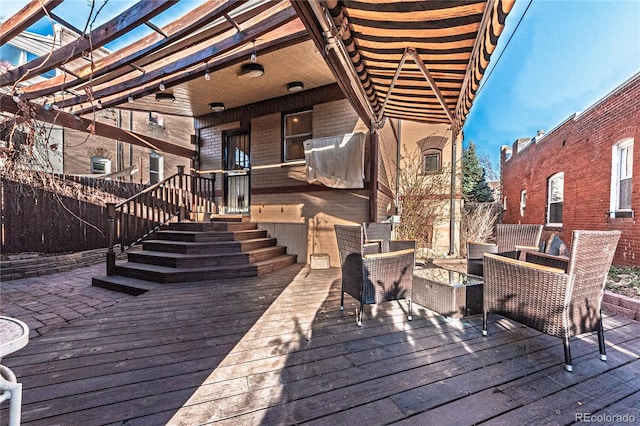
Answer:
(563, 57)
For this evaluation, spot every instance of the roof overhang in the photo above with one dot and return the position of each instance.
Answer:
(411, 60)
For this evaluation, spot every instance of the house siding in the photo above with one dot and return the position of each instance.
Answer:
(300, 215)
(581, 147)
(416, 138)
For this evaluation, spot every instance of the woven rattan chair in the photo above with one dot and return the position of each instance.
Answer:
(554, 301)
(372, 278)
(508, 236)
(381, 233)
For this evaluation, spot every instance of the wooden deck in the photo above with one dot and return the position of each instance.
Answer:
(277, 350)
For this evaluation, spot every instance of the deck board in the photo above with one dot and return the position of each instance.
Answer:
(277, 350)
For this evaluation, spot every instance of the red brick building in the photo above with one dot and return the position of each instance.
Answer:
(583, 174)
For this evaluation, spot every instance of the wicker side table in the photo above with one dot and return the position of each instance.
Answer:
(449, 293)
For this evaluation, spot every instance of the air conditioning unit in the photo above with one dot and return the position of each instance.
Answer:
(100, 165)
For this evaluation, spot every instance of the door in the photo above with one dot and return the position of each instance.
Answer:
(237, 174)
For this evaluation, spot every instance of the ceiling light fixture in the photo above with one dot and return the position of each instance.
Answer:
(250, 71)
(130, 98)
(295, 86)
(207, 76)
(216, 106)
(162, 87)
(99, 104)
(254, 54)
(165, 97)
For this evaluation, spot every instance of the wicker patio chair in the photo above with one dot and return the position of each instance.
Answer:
(508, 236)
(372, 278)
(381, 233)
(554, 301)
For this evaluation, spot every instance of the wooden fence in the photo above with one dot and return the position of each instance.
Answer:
(39, 220)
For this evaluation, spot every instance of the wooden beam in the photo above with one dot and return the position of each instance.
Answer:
(189, 23)
(26, 17)
(260, 25)
(131, 18)
(432, 83)
(7, 104)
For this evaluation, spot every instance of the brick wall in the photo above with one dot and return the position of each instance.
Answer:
(79, 145)
(581, 147)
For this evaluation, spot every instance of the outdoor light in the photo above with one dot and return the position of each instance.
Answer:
(250, 71)
(165, 97)
(207, 76)
(254, 55)
(162, 87)
(99, 104)
(216, 106)
(295, 86)
(130, 98)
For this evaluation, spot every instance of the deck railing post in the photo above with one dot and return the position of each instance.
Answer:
(111, 236)
(182, 201)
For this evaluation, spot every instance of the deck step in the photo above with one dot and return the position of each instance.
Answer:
(226, 247)
(230, 218)
(122, 284)
(188, 247)
(211, 236)
(212, 226)
(183, 260)
(165, 274)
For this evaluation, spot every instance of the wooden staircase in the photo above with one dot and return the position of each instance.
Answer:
(226, 247)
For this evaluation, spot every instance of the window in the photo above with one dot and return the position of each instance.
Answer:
(156, 119)
(431, 161)
(621, 174)
(156, 164)
(523, 201)
(297, 129)
(555, 199)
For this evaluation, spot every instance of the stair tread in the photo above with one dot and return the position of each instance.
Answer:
(205, 243)
(202, 255)
(131, 282)
(182, 270)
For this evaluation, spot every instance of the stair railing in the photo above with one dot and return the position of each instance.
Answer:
(134, 219)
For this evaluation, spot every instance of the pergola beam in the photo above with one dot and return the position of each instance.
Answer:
(26, 17)
(258, 27)
(432, 83)
(189, 23)
(131, 18)
(70, 121)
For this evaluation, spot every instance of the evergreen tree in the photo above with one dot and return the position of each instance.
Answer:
(482, 192)
(474, 183)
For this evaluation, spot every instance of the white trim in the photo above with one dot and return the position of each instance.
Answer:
(550, 180)
(614, 199)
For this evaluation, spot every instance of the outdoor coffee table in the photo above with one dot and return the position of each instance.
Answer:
(449, 293)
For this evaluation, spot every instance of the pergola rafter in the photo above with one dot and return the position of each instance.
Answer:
(131, 18)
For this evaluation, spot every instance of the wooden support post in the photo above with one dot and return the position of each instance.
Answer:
(111, 235)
